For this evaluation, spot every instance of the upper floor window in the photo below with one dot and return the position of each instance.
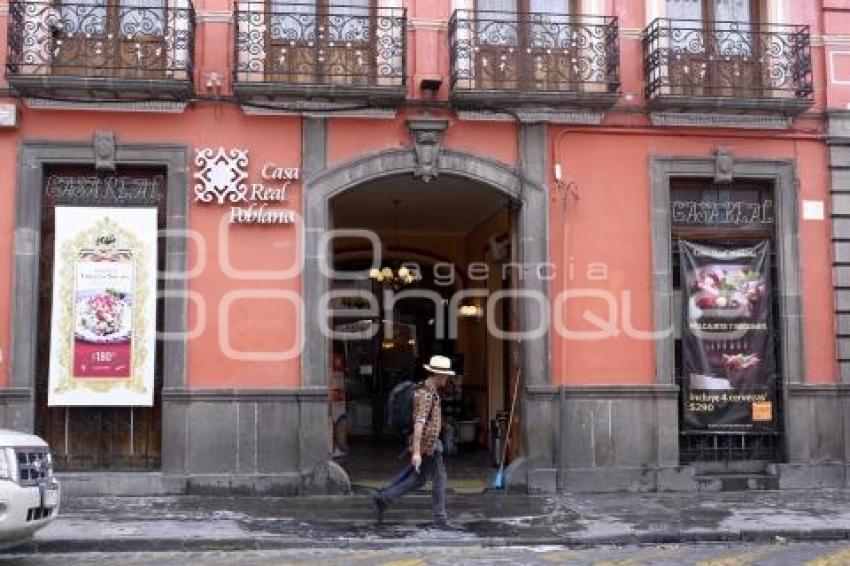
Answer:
(542, 46)
(338, 20)
(118, 37)
(723, 49)
(93, 49)
(729, 23)
(742, 11)
(322, 41)
(128, 18)
(515, 22)
(293, 46)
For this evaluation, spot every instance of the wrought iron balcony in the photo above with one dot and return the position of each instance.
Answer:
(94, 50)
(510, 59)
(759, 68)
(314, 53)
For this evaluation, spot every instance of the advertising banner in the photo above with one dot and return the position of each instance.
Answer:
(728, 361)
(103, 325)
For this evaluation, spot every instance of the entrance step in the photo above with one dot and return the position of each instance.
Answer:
(737, 482)
(100, 483)
(459, 486)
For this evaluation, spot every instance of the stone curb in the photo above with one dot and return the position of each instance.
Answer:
(141, 544)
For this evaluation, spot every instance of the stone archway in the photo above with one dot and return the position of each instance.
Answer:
(426, 160)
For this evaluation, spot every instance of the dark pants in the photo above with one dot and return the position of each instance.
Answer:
(431, 469)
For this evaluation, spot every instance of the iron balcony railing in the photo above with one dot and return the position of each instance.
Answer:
(150, 40)
(688, 58)
(534, 52)
(312, 44)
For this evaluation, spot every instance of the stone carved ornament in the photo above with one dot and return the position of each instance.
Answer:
(104, 151)
(426, 134)
(724, 164)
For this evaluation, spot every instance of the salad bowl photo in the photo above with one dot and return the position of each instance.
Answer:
(103, 316)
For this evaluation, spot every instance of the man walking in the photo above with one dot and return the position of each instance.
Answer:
(426, 460)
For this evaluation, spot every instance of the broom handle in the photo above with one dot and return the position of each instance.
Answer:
(510, 420)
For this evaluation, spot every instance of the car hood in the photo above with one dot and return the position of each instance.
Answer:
(16, 439)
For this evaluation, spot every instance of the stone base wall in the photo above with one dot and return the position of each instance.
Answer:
(576, 439)
(839, 168)
(609, 439)
(17, 409)
(617, 438)
(238, 441)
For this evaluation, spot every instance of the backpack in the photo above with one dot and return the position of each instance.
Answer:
(400, 407)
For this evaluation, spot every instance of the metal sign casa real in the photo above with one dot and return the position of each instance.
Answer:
(222, 177)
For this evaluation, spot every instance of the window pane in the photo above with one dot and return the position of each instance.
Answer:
(351, 6)
(549, 23)
(686, 37)
(497, 22)
(732, 11)
(497, 5)
(349, 20)
(142, 17)
(734, 27)
(292, 21)
(684, 9)
(549, 6)
(83, 16)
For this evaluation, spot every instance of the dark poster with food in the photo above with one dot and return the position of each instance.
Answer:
(728, 364)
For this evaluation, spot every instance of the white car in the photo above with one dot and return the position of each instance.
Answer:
(29, 494)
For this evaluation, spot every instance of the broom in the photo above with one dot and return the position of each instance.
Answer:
(499, 479)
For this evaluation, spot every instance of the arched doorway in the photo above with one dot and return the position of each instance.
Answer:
(530, 224)
(435, 257)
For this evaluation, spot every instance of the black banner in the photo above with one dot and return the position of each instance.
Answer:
(728, 363)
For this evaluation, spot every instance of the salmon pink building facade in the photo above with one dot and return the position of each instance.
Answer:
(231, 229)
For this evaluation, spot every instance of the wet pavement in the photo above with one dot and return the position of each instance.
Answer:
(489, 520)
(734, 554)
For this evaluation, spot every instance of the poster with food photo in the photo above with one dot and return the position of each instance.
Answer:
(728, 361)
(103, 315)
(104, 307)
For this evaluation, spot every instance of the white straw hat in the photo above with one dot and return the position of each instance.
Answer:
(440, 364)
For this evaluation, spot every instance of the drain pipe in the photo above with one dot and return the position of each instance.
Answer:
(565, 191)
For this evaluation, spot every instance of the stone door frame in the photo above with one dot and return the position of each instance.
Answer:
(782, 173)
(33, 158)
(525, 186)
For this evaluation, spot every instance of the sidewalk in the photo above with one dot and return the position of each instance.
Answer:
(208, 523)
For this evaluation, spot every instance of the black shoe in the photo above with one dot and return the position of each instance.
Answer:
(380, 506)
(446, 525)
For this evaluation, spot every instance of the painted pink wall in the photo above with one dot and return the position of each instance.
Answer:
(350, 138)
(836, 22)
(259, 324)
(610, 222)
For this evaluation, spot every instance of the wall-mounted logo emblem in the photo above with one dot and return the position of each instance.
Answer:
(221, 175)
(222, 178)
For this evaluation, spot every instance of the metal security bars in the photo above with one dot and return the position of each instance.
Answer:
(332, 47)
(123, 40)
(534, 52)
(689, 59)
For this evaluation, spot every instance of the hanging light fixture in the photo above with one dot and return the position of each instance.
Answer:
(470, 311)
(391, 275)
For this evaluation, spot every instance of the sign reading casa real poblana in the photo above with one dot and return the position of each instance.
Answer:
(222, 178)
(103, 337)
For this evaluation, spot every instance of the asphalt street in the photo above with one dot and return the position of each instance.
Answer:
(774, 554)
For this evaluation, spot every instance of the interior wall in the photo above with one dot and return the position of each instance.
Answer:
(484, 352)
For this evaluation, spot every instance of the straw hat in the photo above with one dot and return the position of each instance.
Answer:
(440, 365)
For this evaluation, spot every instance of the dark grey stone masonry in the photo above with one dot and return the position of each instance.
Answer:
(839, 169)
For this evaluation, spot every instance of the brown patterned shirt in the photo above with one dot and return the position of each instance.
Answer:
(428, 412)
